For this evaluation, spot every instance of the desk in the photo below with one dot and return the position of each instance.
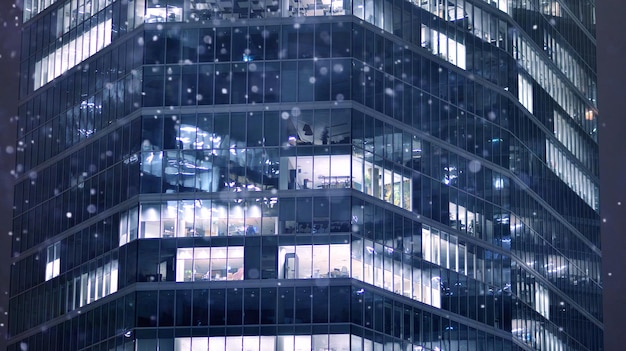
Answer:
(335, 182)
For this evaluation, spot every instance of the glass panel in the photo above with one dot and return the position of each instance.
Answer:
(339, 260)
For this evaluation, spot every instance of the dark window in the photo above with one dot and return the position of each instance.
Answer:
(222, 46)
(357, 306)
(271, 128)
(256, 44)
(205, 85)
(172, 85)
(271, 88)
(173, 52)
(322, 80)
(340, 304)
(154, 42)
(146, 309)
(251, 306)
(234, 306)
(217, 305)
(148, 260)
(206, 48)
(222, 83)
(153, 86)
(289, 75)
(239, 72)
(200, 307)
(190, 45)
(303, 305)
(285, 305)
(268, 306)
(340, 39)
(240, 44)
(290, 42)
(322, 40)
(189, 91)
(255, 82)
(272, 42)
(306, 81)
(306, 41)
(321, 303)
(183, 307)
(166, 308)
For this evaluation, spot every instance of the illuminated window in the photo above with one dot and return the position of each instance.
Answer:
(314, 261)
(542, 300)
(572, 175)
(336, 342)
(53, 261)
(187, 218)
(365, 261)
(447, 48)
(209, 263)
(72, 53)
(93, 285)
(128, 226)
(525, 91)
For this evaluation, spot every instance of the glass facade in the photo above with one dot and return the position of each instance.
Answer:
(307, 175)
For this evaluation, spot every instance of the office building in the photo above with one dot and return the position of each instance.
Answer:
(307, 175)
